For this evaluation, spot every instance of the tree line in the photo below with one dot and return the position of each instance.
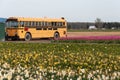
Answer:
(98, 25)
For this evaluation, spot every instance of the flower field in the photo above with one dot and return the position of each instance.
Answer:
(90, 39)
(62, 61)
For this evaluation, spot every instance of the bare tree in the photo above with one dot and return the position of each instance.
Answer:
(98, 20)
(98, 23)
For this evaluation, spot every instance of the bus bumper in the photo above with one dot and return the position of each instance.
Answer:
(11, 37)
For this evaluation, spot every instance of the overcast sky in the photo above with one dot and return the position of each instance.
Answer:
(72, 10)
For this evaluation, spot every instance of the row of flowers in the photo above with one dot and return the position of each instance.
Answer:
(59, 61)
(115, 37)
(36, 73)
(89, 39)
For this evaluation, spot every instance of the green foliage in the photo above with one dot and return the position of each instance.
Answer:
(61, 56)
(88, 41)
(98, 59)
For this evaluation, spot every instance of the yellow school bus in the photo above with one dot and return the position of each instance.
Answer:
(31, 28)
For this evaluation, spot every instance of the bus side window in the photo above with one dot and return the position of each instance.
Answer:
(36, 23)
(57, 23)
(29, 24)
(39, 23)
(52, 23)
(45, 23)
(33, 24)
(63, 23)
(42, 23)
(26, 23)
(60, 23)
(49, 23)
(22, 23)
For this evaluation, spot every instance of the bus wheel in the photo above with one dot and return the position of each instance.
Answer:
(56, 35)
(28, 37)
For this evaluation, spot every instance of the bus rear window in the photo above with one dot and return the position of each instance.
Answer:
(11, 24)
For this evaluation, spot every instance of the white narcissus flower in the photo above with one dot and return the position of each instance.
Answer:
(52, 76)
(60, 78)
(9, 75)
(83, 76)
(67, 78)
(1, 77)
(107, 78)
(18, 77)
(30, 78)
(106, 71)
(41, 77)
(100, 72)
(5, 75)
(0, 73)
(59, 73)
(45, 73)
(112, 78)
(97, 71)
(90, 75)
(94, 72)
(40, 74)
(4, 65)
(71, 79)
(63, 72)
(22, 78)
(69, 73)
(96, 78)
(18, 69)
(26, 73)
(103, 77)
(115, 74)
(109, 70)
(12, 70)
(119, 74)
(82, 70)
(79, 78)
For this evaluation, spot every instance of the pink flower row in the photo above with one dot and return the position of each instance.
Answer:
(91, 38)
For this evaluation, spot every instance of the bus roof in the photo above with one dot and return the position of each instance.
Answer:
(37, 19)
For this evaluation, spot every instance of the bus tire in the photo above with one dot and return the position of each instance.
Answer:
(56, 35)
(28, 37)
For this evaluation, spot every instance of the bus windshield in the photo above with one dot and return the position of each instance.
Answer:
(11, 24)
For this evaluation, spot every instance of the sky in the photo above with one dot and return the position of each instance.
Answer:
(71, 10)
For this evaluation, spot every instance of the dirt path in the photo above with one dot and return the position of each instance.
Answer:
(75, 34)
